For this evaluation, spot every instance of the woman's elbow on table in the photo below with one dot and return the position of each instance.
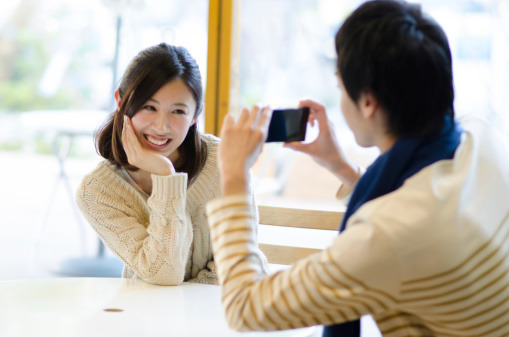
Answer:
(165, 277)
(167, 282)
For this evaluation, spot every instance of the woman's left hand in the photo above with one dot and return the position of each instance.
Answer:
(241, 144)
(142, 158)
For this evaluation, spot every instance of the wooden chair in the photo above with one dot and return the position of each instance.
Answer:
(295, 218)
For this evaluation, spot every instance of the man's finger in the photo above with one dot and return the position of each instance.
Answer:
(244, 115)
(228, 121)
(264, 121)
(253, 116)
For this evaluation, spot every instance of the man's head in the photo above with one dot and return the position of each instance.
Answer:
(397, 54)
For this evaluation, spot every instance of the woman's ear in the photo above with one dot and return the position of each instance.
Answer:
(117, 98)
(195, 119)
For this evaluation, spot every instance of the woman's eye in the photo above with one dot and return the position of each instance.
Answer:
(180, 112)
(149, 107)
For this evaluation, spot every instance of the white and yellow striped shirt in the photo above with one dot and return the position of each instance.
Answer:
(429, 259)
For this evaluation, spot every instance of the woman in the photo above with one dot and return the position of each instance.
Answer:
(147, 199)
(425, 246)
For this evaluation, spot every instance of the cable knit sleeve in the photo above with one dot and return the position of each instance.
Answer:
(154, 243)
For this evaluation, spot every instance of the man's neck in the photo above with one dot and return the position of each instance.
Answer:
(386, 142)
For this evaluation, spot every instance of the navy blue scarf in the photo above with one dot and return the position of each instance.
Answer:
(407, 157)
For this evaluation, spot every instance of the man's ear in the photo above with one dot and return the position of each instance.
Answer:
(368, 104)
(117, 98)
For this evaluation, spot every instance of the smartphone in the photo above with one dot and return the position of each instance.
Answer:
(288, 125)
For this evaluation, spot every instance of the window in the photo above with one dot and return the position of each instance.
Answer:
(59, 62)
(287, 54)
(69, 55)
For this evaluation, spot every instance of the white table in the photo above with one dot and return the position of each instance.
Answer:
(88, 307)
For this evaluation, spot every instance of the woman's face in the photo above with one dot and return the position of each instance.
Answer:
(164, 120)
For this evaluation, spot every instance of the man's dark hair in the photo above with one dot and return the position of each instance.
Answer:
(402, 57)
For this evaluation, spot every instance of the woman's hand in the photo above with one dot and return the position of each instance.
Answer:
(325, 149)
(241, 144)
(142, 158)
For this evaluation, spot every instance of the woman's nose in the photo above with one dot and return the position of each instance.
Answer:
(160, 123)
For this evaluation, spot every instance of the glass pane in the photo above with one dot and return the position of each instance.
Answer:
(57, 66)
(478, 33)
(58, 54)
(287, 54)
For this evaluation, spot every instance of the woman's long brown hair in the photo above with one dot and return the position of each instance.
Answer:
(151, 69)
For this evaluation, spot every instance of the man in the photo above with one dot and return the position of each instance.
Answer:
(425, 240)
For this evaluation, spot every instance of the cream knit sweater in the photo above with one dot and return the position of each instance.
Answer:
(163, 239)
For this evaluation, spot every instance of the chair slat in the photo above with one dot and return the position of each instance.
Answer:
(300, 218)
(295, 218)
(285, 255)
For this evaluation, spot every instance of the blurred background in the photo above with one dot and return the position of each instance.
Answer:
(60, 62)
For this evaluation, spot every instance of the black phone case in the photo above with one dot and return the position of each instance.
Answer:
(288, 125)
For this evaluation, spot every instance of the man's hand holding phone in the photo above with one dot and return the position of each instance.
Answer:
(241, 144)
(325, 149)
(242, 141)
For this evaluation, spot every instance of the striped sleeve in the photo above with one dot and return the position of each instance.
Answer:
(320, 289)
(344, 193)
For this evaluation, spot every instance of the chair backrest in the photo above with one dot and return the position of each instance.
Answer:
(296, 218)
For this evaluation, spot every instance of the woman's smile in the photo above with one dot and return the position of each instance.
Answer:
(157, 142)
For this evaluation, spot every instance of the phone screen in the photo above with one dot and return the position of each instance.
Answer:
(288, 125)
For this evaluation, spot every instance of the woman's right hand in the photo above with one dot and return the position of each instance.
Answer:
(142, 158)
(325, 149)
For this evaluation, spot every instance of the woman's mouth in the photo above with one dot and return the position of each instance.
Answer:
(157, 141)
